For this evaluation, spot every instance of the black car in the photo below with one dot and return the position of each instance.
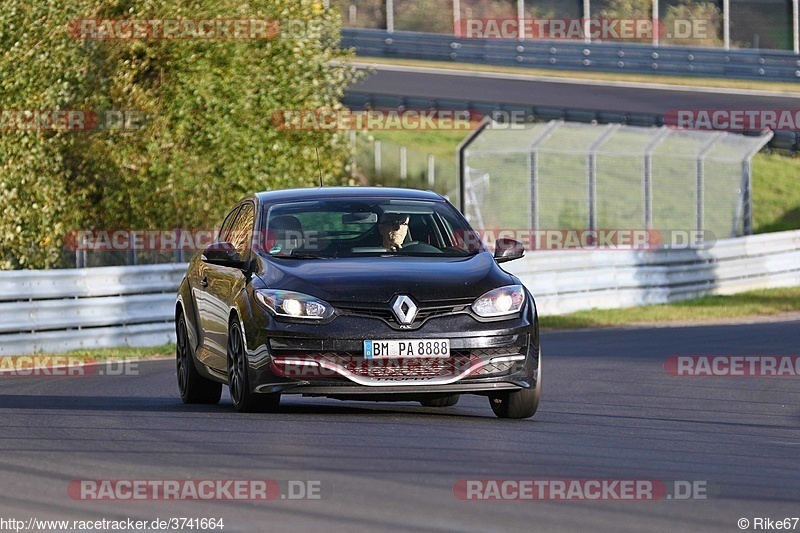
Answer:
(356, 293)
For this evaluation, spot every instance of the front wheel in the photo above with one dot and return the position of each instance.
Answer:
(193, 387)
(521, 403)
(244, 400)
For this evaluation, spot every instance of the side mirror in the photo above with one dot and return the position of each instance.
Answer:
(508, 250)
(223, 254)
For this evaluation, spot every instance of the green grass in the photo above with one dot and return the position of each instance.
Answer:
(710, 308)
(776, 193)
(720, 83)
(124, 352)
(441, 144)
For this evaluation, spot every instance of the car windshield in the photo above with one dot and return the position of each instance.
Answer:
(327, 229)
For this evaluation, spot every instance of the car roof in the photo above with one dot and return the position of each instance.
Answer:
(320, 193)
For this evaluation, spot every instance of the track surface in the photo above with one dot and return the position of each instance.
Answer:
(609, 412)
(438, 84)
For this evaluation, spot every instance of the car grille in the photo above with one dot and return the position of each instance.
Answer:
(383, 312)
(461, 363)
(407, 368)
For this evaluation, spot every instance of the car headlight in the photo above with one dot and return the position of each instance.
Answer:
(294, 304)
(500, 302)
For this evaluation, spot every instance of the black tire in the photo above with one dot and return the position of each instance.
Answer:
(447, 401)
(521, 403)
(244, 399)
(193, 387)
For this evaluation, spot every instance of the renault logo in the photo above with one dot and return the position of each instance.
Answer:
(404, 309)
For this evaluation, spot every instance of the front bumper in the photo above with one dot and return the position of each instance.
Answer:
(328, 360)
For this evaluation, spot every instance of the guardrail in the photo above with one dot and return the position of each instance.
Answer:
(775, 65)
(781, 140)
(567, 281)
(59, 310)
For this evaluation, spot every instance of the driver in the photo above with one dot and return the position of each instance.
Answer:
(393, 228)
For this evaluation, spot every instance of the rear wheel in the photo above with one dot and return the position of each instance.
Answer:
(522, 403)
(244, 400)
(447, 401)
(193, 387)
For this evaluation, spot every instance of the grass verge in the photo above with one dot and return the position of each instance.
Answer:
(122, 352)
(776, 196)
(760, 303)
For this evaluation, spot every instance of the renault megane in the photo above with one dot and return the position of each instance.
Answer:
(356, 293)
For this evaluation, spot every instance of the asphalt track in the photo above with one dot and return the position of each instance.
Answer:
(562, 93)
(610, 412)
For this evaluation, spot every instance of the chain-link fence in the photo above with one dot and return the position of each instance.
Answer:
(562, 175)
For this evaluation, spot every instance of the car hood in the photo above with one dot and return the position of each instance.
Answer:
(378, 279)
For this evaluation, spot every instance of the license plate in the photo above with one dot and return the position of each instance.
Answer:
(407, 348)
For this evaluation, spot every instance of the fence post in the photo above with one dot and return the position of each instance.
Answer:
(431, 171)
(747, 184)
(591, 190)
(461, 150)
(134, 248)
(403, 163)
(353, 153)
(533, 196)
(647, 186)
(533, 172)
(592, 173)
(178, 254)
(726, 24)
(796, 25)
(378, 161)
(747, 212)
(699, 178)
(655, 22)
(80, 252)
(587, 13)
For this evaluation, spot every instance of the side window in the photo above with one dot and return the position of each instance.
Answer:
(225, 229)
(242, 230)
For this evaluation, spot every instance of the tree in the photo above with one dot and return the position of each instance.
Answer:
(701, 20)
(208, 138)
